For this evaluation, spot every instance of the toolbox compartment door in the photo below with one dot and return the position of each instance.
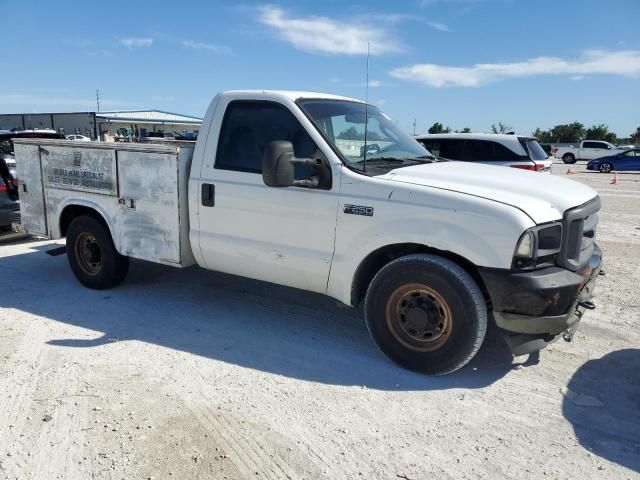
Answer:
(149, 206)
(32, 207)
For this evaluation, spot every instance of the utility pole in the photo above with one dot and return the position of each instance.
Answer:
(414, 127)
(98, 99)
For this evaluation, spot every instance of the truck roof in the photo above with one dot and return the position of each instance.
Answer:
(290, 94)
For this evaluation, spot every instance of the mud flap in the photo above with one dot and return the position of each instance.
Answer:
(524, 344)
(54, 252)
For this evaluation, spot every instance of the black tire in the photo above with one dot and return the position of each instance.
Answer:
(426, 313)
(569, 158)
(92, 256)
(605, 167)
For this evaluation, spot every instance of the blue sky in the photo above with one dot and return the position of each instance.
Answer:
(465, 63)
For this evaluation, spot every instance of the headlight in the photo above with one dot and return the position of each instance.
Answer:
(526, 245)
(538, 247)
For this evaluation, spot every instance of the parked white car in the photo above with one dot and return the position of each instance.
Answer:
(273, 190)
(588, 150)
(80, 138)
(506, 150)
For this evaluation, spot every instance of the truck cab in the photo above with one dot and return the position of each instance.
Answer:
(327, 194)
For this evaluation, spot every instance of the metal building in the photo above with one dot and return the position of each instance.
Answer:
(122, 123)
(138, 123)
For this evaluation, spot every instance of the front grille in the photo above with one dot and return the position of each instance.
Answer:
(579, 234)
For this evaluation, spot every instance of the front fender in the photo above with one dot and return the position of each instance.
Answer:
(481, 231)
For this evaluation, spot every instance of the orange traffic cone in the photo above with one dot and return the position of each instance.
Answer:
(569, 172)
(614, 181)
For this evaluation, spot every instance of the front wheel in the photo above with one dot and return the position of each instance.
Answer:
(569, 158)
(605, 167)
(426, 313)
(92, 255)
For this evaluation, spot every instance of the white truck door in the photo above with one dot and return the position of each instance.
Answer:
(591, 150)
(280, 235)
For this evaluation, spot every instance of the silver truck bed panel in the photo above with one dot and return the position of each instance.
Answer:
(140, 191)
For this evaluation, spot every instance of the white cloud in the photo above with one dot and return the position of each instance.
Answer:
(132, 42)
(324, 35)
(217, 49)
(438, 26)
(390, 17)
(576, 77)
(592, 62)
(375, 83)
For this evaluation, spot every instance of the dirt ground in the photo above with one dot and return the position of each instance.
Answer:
(194, 374)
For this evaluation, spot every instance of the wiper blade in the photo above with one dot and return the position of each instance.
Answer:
(421, 159)
(383, 159)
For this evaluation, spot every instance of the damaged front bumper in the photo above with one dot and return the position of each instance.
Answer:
(536, 308)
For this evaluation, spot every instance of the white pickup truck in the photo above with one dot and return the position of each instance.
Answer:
(273, 190)
(588, 150)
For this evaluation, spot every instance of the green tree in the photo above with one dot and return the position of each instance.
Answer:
(567, 133)
(543, 136)
(635, 137)
(350, 133)
(600, 132)
(464, 130)
(501, 128)
(438, 128)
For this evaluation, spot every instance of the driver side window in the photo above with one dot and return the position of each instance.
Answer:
(249, 126)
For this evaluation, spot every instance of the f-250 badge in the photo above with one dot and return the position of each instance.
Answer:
(358, 210)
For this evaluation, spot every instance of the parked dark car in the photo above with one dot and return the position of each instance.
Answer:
(625, 160)
(9, 204)
(548, 148)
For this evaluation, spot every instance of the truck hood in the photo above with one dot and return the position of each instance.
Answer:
(543, 197)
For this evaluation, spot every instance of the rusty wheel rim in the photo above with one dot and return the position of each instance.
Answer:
(419, 317)
(88, 253)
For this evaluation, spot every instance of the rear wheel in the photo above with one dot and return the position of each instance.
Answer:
(569, 158)
(605, 167)
(92, 255)
(426, 313)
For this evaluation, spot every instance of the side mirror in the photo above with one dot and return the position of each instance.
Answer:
(277, 166)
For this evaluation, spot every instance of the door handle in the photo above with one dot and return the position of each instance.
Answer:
(208, 194)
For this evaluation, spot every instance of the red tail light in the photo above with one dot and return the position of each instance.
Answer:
(3, 188)
(535, 168)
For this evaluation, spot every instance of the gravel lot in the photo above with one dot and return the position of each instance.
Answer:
(195, 374)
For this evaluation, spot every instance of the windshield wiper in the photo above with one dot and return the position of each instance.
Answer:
(425, 158)
(397, 162)
(402, 160)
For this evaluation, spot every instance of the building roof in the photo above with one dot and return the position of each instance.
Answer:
(148, 116)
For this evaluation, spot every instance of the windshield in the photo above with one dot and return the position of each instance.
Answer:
(343, 124)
